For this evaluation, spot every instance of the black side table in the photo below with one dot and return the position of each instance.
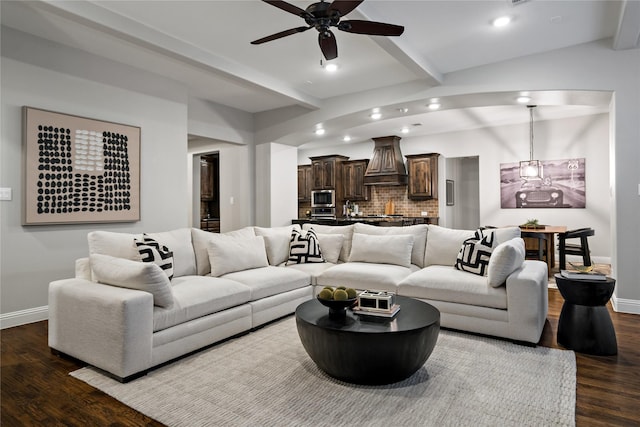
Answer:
(585, 325)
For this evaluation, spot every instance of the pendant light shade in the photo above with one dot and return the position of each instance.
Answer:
(530, 168)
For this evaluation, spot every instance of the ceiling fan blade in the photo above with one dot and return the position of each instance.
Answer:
(287, 7)
(344, 6)
(328, 45)
(280, 35)
(371, 28)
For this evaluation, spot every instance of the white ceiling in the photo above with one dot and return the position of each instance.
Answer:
(206, 45)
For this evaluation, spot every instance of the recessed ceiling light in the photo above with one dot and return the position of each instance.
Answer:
(502, 21)
(376, 116)
(403, 110)
(346, 138)
(319, 131)
(331, 68)
(404, 130)
(523, 99)
(434, 106)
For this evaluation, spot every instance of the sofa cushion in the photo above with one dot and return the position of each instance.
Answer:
(197, 296)
(269, 280)
(304, 248)
(201, 240)
(330, 245)
(229, 254)
(382, 249)
(345, 230)
(475, 253)
(443, 245)
(445, 283)
(179, 242)
(121, 245)
(361, 275)
(152, 251)
(312, 269)
(504, 234)
(276, 240)
(506, 258)
(126, 273)
(419, 233)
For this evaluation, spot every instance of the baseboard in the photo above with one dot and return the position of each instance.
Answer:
(22, 317)
(622, 305)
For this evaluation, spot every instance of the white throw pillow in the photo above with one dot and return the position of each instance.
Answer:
(276, 240)
(382, 249)
(506, 258)
(443, 245)
(419, 233)
(229, 254)
(125, 273)
(201, 240)
(346, 231)
(330, 245)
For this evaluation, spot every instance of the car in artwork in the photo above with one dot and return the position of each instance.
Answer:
(539, 193)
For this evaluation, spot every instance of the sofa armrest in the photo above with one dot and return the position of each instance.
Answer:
(83, 268)
(108, 327)
(528, 300)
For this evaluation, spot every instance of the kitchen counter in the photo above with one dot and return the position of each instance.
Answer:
(379, 220)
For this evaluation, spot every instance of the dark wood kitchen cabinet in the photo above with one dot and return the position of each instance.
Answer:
(326, 172)
(423, 176)
(304, 184)
(353, 187)
(207, 188)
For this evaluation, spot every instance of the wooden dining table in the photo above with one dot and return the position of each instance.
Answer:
(550, 231)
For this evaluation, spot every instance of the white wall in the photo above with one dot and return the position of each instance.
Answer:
(585, 136)
(32, 256)
(276, 185)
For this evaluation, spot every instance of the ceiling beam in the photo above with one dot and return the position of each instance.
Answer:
(628, 33)
(101, 19)
(405, 54)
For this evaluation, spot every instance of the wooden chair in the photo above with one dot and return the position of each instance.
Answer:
(539, 251)
(581, 249)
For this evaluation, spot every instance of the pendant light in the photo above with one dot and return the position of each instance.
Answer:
(530, 168)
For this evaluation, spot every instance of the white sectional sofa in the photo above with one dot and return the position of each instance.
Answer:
(125, 316)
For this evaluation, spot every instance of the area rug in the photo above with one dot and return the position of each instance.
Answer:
(266, 378)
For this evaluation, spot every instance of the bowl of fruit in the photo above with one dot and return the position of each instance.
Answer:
(337, 299)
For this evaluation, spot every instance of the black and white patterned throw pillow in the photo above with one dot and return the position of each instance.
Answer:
(475, 253)
(304, 248)
(152, 251)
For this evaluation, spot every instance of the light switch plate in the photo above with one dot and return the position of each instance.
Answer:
(5, 193)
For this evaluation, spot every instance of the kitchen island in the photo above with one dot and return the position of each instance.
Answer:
(379, 220)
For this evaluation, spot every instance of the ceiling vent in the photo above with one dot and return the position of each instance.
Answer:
(386, 166)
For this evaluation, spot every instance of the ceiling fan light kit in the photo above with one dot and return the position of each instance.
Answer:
(322, 16)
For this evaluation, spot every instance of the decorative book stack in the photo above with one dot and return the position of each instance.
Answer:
(577, 275)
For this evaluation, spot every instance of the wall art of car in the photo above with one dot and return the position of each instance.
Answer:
(538, 193)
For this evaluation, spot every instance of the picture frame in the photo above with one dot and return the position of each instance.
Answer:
(79, 170)
(450, 192)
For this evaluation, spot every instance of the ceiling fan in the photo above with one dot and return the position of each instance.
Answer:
(322, 16)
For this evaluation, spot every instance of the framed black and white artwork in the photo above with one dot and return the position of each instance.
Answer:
(79, 170)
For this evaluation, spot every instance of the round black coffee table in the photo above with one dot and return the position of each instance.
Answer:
(585, 325)
(369, 350)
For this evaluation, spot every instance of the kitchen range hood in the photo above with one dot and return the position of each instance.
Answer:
(386, 166)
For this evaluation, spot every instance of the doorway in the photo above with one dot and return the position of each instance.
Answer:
(210, 192)
(463, 175)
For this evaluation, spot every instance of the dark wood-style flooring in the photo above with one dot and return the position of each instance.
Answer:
(36, 389)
